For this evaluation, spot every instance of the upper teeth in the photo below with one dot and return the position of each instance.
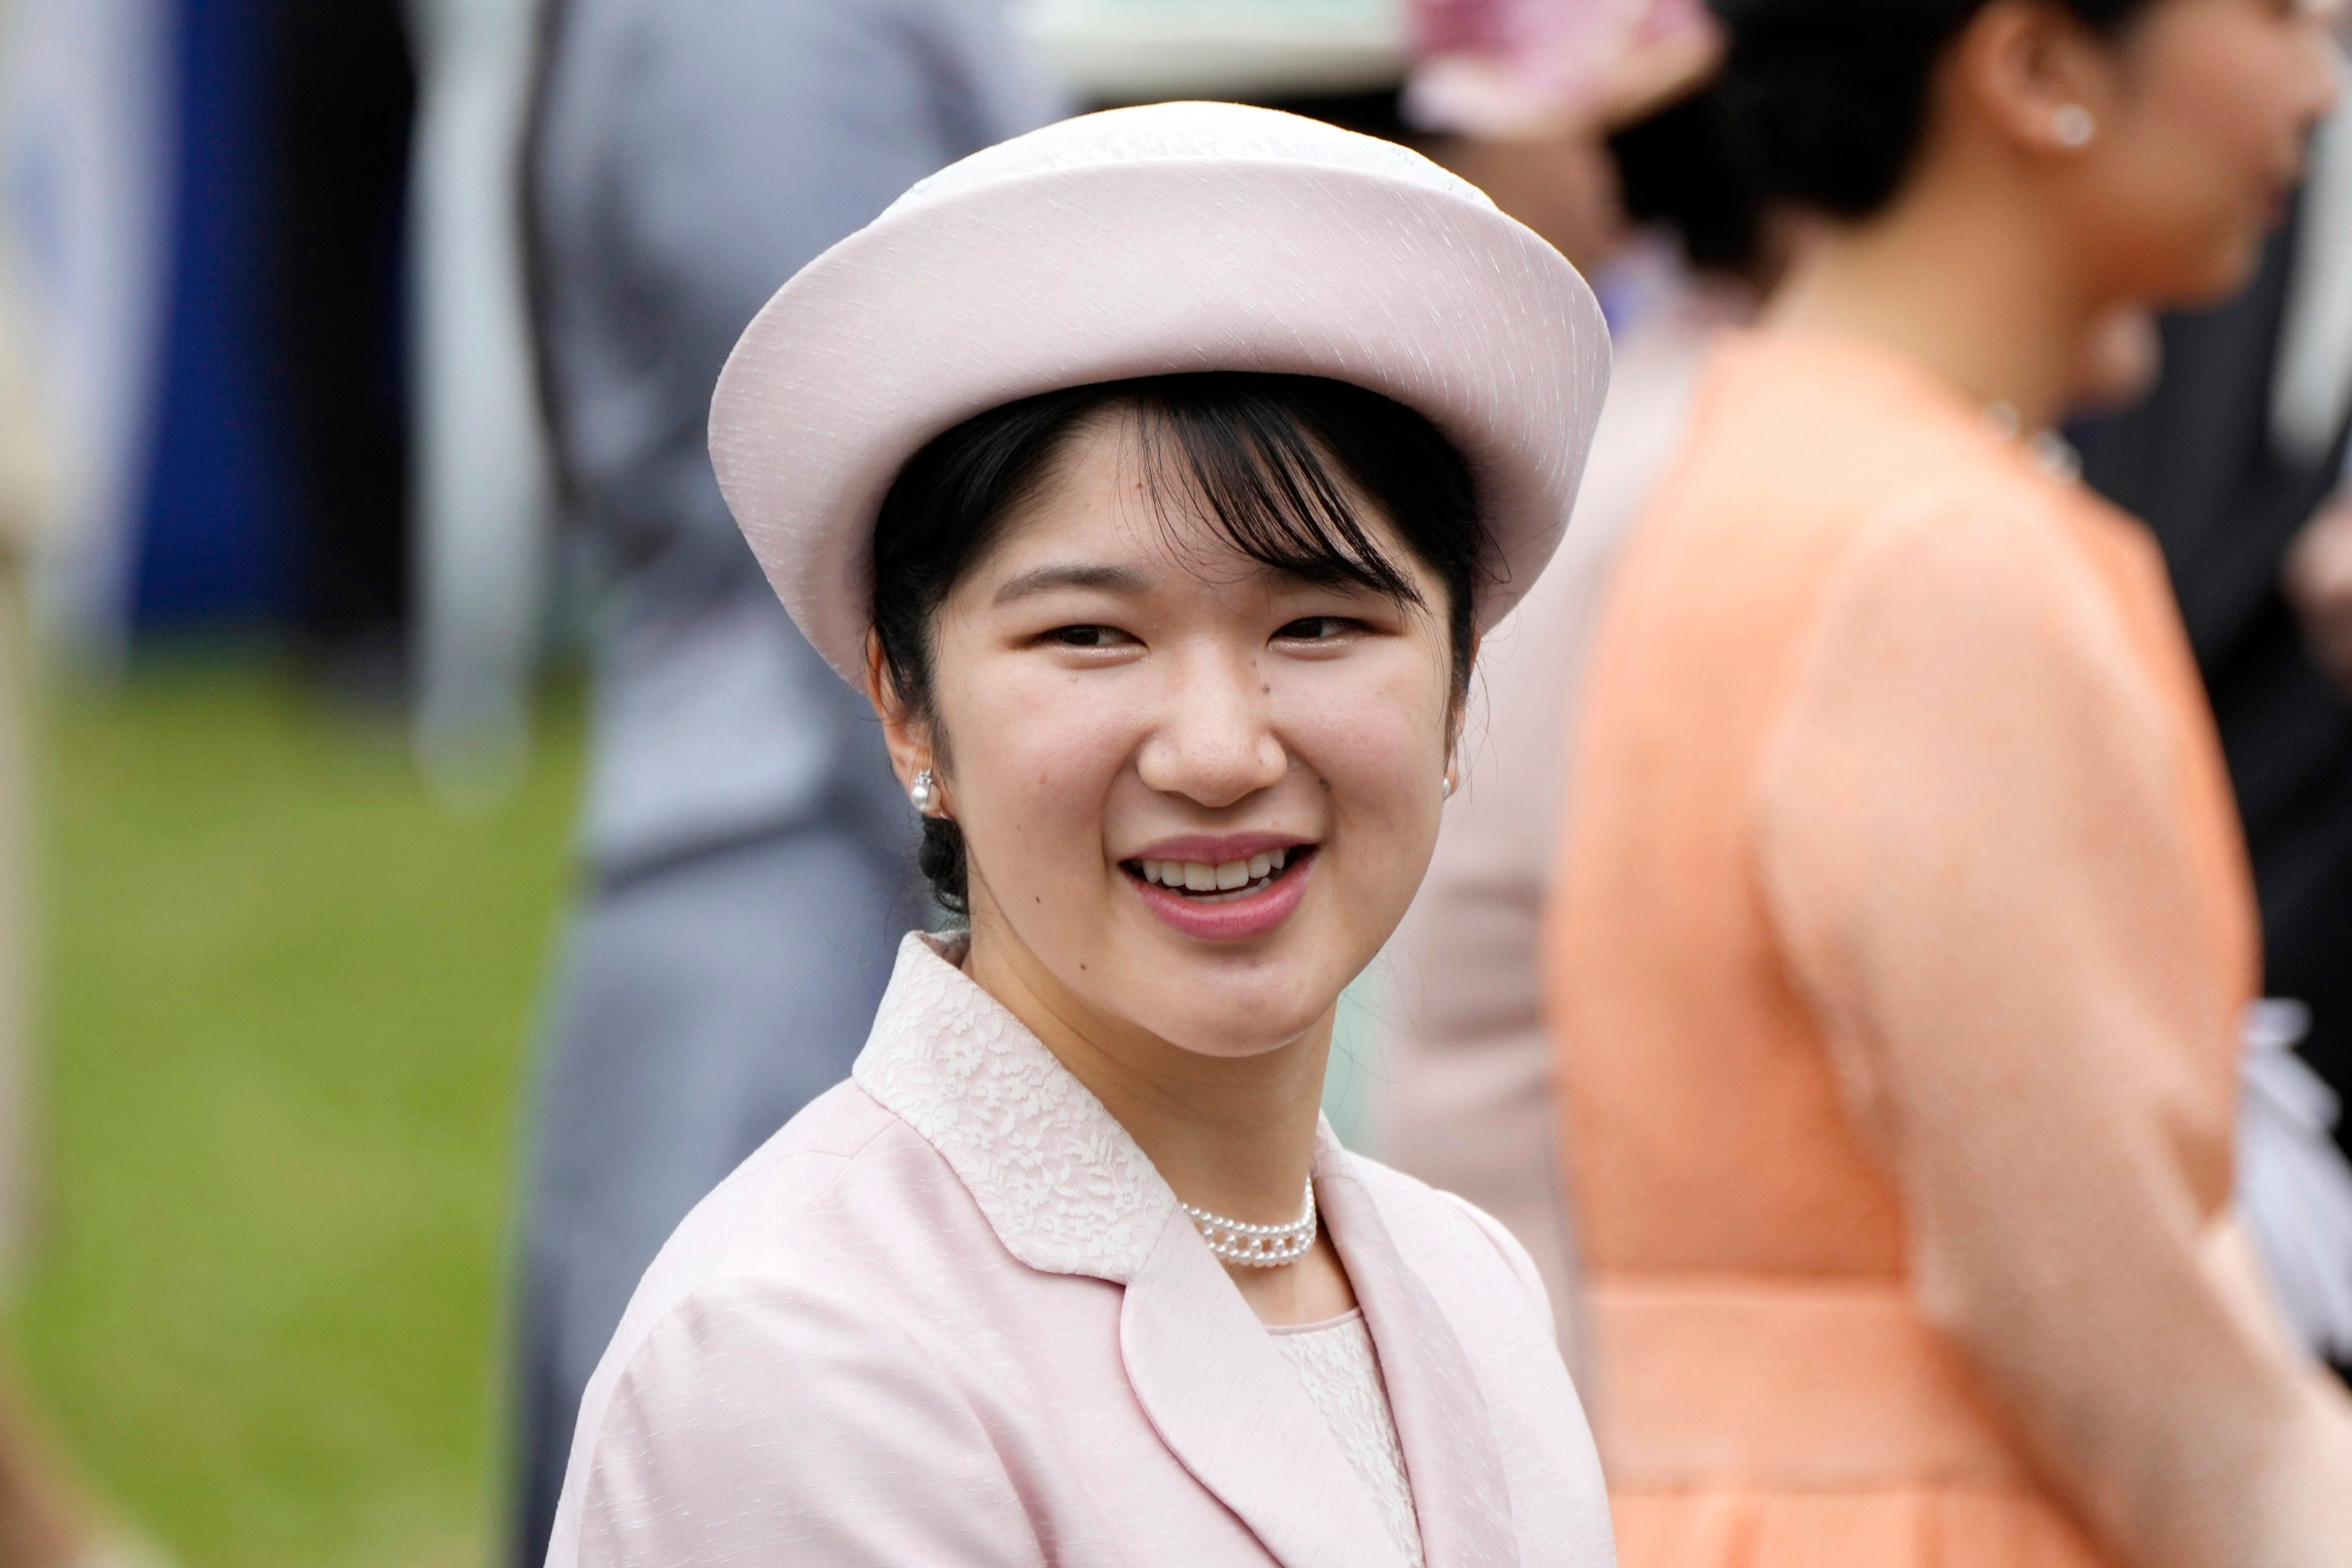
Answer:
(1200, 876)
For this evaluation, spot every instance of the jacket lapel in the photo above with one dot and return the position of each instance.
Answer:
(1450, 1454)
(1232, 1409)
(1068, 1192)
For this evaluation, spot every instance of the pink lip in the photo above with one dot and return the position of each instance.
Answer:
(1212, 850)
(1235, 920)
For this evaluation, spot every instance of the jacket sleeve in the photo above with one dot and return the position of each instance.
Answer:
(1975, 842)
(757, 1423)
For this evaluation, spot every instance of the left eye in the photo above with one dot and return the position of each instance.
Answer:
(1087, 636)
(1315, 629)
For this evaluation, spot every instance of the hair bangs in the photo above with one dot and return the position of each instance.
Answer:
(1251, 465)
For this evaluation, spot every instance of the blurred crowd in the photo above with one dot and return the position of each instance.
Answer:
(389, 331)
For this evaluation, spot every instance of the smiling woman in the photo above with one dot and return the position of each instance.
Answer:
(1165, 573)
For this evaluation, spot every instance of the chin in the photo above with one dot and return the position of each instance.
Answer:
(1231, 1021)
(1212, 1041)
(2219, 272)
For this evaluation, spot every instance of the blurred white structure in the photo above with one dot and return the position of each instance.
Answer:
(86, 156)
(482, 491)
(2293, 1185)
(2314, 364)
(1142, 51)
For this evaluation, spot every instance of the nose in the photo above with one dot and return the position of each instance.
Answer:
(1214, 743)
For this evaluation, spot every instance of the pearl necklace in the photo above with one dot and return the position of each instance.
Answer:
(1258, 1246)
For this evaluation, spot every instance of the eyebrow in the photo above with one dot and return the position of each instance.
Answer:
(1045, 579)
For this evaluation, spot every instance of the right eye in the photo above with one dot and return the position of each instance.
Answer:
(1088, 636)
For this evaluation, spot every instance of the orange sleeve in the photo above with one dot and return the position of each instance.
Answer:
(1977, 849)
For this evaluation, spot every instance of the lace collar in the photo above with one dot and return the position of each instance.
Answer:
(1065, 1188)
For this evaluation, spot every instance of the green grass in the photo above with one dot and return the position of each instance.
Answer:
(285, 1013)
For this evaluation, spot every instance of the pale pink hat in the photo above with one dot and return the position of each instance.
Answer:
(1176, 237)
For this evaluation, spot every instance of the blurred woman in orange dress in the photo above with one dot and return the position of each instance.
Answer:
(1904, 928)
(1585, 120)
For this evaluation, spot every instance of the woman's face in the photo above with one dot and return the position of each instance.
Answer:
(1197, 793)
(2203, 139)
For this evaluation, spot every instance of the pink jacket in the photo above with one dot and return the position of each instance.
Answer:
(952, 1315)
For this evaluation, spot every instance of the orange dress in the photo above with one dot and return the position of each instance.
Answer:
(1903, 934)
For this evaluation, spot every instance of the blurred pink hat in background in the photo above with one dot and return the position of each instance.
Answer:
(1515, 68)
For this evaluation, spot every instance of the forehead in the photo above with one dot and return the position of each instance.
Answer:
(1111, 491)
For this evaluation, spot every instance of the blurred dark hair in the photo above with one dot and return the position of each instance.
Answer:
(1676, 169)
(1264, 456)
(1824, 102)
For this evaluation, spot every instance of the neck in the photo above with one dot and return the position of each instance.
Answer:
(1966, 282)
(1232, 1135)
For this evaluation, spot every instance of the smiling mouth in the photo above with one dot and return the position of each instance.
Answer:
(1228, 883)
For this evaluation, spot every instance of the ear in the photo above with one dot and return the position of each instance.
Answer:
(908, 736)
(2029, 72)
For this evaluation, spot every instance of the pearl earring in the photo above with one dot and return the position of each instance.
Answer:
(924, 793)
(1445, 789)
(2074, 126)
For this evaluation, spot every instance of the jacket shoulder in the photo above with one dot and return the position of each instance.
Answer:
(787, 1289)
(1450, 1233)
(777, 1405)
(843, 1163)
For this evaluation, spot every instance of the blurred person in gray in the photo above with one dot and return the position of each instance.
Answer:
(2233, 460)
(748, 855)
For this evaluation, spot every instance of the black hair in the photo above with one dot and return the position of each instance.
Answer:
(1824, 102)
(1263, 458)
(1675, 169)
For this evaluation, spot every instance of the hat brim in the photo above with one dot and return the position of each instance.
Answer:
(1071, 276)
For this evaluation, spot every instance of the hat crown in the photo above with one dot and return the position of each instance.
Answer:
(1164, 133)
(1156, 241)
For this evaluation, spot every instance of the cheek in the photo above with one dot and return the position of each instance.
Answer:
(2224, 124)
(1030, 786)
(1376, 737)
(2191, 213)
